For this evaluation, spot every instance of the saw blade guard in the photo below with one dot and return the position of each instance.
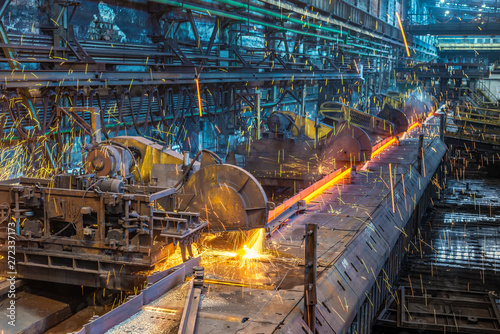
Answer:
(415, 110)
(227, 196)
(396, 117)
(345, 146)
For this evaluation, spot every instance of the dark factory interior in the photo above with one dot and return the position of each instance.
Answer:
(249, 166)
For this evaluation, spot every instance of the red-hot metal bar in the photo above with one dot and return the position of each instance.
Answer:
(328, 181)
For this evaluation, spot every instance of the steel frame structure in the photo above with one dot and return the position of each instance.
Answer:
(151, 88)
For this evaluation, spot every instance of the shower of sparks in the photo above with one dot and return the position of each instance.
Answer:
(232, 257)
(21, 157)
(255, 247)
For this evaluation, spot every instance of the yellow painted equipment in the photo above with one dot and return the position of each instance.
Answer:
(226, 196)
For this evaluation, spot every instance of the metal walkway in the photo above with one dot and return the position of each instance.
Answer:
(451, 281)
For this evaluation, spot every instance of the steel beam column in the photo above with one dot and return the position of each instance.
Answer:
(190, 312)
(310, 298)
(420, 153)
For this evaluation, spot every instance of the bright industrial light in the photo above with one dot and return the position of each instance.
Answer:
(442, 1)
(478, 14)
(447, 12)
(480, 9)
(483, 5)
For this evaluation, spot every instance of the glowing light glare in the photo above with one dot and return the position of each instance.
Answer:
(320, 190)
(403, 33)
(227, 261)
(383, 147)
(255, 247)
(414, 125)
(199, 95)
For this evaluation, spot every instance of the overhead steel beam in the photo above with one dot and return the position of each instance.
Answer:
(340, 23)
(455, 29)
(310, 259)
(469, 46)
(236, 17)
(55, 78)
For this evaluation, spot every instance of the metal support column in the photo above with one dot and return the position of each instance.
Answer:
(302, 124)
(380, 75)
(420, 152)
(366, 93)
(310, 298)
(257, 107)
(442, 121)
(192, 305)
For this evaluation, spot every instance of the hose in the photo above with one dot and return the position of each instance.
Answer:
(190, 166)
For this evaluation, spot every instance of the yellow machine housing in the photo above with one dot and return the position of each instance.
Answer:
(147, 154)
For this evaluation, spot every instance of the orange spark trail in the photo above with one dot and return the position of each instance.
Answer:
(199, 95)
(403, 32)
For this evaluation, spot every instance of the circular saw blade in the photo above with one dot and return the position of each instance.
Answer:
(346, 145)
(396, 117)
(415, 110)
(227, 196)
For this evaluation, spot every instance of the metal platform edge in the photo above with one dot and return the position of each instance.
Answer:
(158, 284)
(333, 286)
